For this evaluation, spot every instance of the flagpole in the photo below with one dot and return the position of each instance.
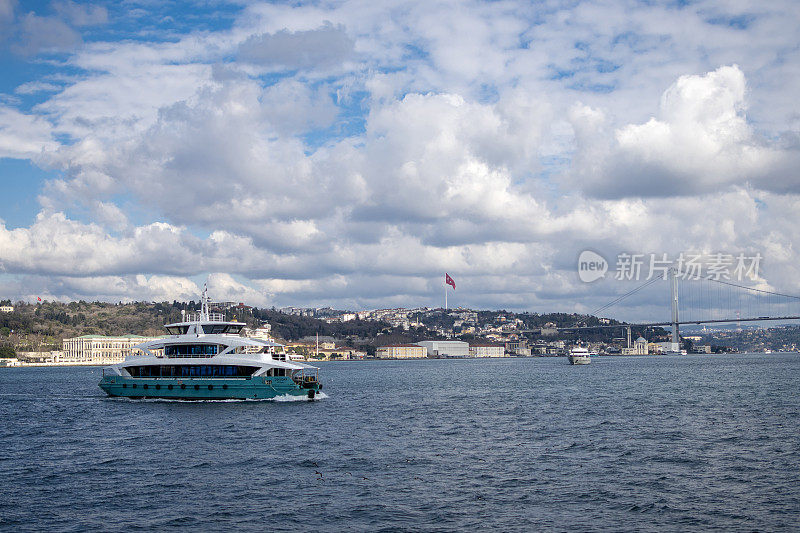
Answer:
(445, 297)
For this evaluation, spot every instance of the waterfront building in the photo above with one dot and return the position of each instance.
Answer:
(670, 347)
(487, 350)
(53, 356)
(100, 349)
(517, 346)
(639, 347)
(654, 348)
(446, 348)
(401, 351)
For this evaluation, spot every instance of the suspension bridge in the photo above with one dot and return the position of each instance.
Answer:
(697, 301)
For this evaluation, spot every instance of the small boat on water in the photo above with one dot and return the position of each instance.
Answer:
(205, 358)
(579, 356)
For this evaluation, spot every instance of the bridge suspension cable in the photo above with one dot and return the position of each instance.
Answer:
(629, 293)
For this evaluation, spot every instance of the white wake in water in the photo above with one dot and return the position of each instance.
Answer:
(292, 398)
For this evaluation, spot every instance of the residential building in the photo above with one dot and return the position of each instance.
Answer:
(263, 333)
(401, 351)
(6, 308)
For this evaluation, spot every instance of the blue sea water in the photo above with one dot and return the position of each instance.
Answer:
(624, 444)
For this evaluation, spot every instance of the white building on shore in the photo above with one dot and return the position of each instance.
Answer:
(100, 349)
(401, 351)
(446, 348)
(487, 350)
(639, 348)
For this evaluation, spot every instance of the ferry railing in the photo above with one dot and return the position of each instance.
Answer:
(198, 317)
(303, 377)
(191, 356)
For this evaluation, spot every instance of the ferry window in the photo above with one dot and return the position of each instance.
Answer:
(191, 350)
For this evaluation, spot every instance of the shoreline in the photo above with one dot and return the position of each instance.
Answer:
(99, 365)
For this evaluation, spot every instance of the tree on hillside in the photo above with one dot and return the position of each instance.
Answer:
(7, 351)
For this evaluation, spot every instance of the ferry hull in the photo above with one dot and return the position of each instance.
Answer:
(256, 388)
(579, 360)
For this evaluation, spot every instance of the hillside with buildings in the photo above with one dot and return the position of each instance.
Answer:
(109, 331)
(47, 327)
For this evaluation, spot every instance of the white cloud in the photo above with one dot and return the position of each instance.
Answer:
(34, 87)
(24, 136)
(45, 34)
(361, 150)
(81, 15)
(322, 47)
(701, 142)
(224, 287)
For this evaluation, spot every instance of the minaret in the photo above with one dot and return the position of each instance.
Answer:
(204, 303)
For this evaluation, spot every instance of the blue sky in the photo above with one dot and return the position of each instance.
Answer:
(348, 153)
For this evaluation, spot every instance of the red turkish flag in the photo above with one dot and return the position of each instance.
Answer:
(38, 298)
(449, 281)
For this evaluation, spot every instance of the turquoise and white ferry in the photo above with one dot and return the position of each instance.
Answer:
(205, 358)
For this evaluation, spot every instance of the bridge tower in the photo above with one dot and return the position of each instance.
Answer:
(674, 286)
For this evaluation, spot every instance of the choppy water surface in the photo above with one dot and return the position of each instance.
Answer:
(644, 444)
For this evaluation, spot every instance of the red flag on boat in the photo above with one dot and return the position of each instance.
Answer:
(449, 281)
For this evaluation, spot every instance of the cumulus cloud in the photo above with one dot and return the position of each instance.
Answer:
(326, 46)
(351, 162)
(23, 135)
(224, 287)
(124, 289)
(700, 142)
(55, 244)
(45, 34)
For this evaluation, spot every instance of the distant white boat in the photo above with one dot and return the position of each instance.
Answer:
(579, 356)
